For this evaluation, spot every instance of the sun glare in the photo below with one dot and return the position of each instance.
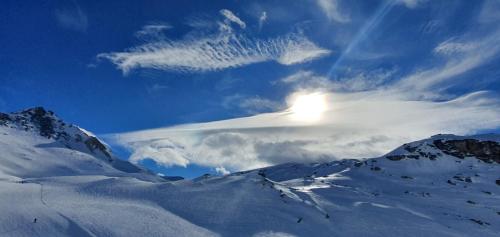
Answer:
(308, 107)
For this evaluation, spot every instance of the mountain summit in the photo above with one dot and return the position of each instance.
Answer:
(36, 132)
(47, 124)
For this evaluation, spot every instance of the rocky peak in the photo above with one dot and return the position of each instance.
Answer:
(488, 151)
(35, 119)
(44, 120)
(47, 124)
(484, 148)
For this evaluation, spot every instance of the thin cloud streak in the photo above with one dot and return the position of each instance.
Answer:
(332, 11)
(233, 18)
(152, 31)
(216, 52)
(262, 19)
(459, 57)
(213, 51)
(72, 18)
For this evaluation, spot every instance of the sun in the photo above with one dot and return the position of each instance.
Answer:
(308, 107)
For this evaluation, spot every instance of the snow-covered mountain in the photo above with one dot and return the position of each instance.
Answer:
(36, 139)
(58, 180)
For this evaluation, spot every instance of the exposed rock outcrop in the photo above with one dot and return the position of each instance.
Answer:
(487, 151)
(48, 125)
(433, 148)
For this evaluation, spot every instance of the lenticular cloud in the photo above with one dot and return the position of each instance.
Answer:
(216, 52)
(356, 125)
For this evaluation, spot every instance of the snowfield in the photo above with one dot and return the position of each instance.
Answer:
(52, 184)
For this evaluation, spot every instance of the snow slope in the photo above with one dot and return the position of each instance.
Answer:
(442, 186)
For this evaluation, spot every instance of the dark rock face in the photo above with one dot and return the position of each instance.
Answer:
(487, 151)
(480, 222)
(40, 118)
(4, 118)
(173, 178)
(415, 153)
(42, 121)
(94, 144)
(396, 157)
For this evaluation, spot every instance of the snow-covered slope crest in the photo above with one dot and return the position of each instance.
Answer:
(484, 147)
(47, 124)
(35, 142)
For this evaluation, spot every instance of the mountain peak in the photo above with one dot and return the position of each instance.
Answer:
(483, 147)
(37, 110)
(46, 124)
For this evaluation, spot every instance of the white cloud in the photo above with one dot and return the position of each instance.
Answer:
(459, 58)
(411, 3)
(257, 104)
(353, 82)
(163, 151)
(233, 18)
(308, 81)
(156, 88)
(251, 104)
(332, 10)
(364, 80)
(298, 51)
(363, 124)
(216, 51)
(222, 171)
(153, 31)
(72, 18)
(262, 19)
(273, 234)
(450, 47)
(489, 12)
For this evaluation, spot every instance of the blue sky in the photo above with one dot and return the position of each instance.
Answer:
(116, 67)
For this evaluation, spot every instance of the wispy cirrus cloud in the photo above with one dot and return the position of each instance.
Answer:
(352, 82)
(233, 18)
(252, 104)
(262, 19)
(72, 18)
(331, 8)
(411, 3)
(489, 12)
(152, 31)
(215, 51)
(459, 57)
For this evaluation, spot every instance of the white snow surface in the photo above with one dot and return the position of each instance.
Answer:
(73, 192)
